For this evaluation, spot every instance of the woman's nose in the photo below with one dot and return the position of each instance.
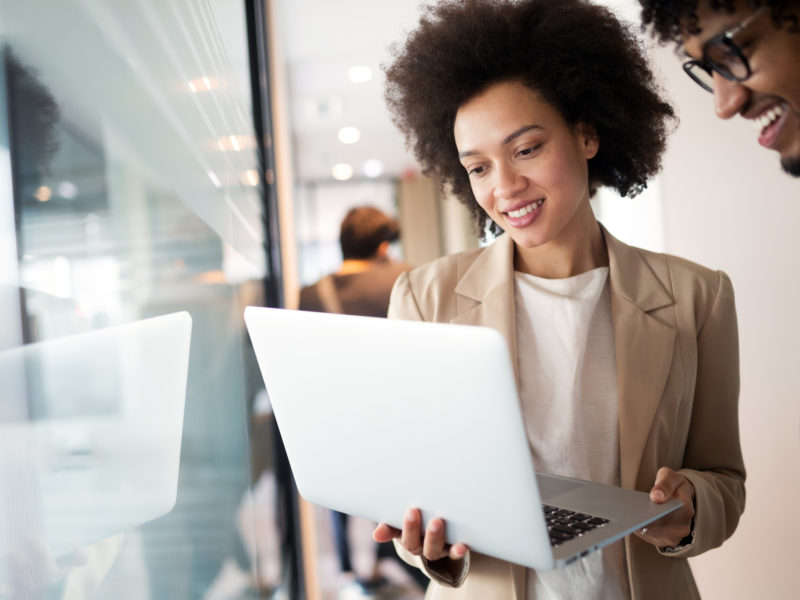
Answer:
(509, 182)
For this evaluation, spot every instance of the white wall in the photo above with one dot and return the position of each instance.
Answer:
(726, 204)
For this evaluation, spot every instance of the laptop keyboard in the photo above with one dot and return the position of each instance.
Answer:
(564, 525)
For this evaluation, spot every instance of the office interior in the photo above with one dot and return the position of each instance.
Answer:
(165, 164)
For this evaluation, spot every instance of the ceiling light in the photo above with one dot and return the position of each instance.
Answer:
(236, 143)
(359, 74)
(250, 178)
(43, 193)
(349, 135)
(342, 171)
(203, 84)
(372, 168)
(67, 189)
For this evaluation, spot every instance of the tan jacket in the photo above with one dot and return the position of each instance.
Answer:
(677, 356)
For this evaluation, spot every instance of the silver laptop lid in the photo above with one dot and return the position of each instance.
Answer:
(380, 415)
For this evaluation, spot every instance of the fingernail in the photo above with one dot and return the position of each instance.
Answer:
(657, 495)
(411, 515)
(434, 526)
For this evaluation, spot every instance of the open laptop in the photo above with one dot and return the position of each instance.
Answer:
(93, 446)
(381, 415)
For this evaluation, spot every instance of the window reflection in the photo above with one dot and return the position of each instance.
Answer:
(109, 217)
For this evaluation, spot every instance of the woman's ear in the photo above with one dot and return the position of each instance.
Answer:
(591, 141)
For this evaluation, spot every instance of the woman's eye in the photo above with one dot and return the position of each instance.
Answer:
(528, 150)
(475, 170)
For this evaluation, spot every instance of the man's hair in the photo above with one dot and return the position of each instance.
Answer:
(364, 229)
(671, 20)
(576, 56)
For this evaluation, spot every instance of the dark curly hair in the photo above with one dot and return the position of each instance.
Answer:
(670, 20)
(577, 56)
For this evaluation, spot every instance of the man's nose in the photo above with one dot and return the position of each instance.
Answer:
(729, 97)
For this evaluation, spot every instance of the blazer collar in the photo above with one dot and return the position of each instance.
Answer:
(644, 344)
(485, 292)
(632, 278)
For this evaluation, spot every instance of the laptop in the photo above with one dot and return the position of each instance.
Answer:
(92, 448)
(381, 415)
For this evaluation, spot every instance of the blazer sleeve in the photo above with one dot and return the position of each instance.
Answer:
(713, 458)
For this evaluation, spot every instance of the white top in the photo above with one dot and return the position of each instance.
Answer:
(568, 389)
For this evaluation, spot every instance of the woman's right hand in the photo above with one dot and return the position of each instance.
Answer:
(429, 543)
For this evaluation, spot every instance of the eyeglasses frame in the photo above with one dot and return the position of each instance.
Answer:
(726, 38)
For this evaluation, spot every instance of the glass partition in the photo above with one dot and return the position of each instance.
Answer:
(136, 447)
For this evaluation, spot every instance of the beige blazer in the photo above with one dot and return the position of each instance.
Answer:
(677, 354)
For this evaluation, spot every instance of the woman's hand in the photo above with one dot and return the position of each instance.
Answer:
(429, 544)
(670, 529)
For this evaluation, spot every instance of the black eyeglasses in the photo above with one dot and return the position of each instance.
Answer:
(723, 56)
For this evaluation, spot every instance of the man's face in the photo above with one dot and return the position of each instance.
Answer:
(770, 97)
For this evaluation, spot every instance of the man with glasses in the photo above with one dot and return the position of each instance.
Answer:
(746, 53)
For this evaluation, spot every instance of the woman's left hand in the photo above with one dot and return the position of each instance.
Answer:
(670, 529)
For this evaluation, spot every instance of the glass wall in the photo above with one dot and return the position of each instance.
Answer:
(136, 455)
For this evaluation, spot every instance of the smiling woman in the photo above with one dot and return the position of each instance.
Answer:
(626, 360)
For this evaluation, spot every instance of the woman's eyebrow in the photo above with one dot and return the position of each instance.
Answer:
(519, 132)
(506, 140)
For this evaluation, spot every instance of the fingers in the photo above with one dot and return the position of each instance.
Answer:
(385, 533)
(667, 483)
(411, 536)
(430, 542)
(433, 544)
(674, 527)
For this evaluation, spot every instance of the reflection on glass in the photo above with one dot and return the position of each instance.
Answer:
(108, 217)
(100, 450)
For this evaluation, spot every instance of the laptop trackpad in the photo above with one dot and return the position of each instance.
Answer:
(551, 486)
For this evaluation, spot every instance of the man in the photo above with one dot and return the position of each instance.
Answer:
(361, 286)
(745, 52)
(364, 281)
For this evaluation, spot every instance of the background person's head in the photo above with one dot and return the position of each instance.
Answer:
(753, 71)
(364, 231)
(575, 56)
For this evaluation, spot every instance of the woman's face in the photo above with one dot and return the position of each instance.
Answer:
(528, 169)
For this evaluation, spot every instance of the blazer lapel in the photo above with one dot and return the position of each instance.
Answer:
(485, 292)
(644, 348)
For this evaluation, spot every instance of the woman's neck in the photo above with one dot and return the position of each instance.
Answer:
(577, 251)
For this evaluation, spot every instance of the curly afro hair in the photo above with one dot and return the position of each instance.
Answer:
(670, 20)
(577, 56)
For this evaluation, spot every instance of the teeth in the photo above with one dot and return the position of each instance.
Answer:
(516, 214)
(768, 117)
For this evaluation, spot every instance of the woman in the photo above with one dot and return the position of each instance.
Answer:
(627, 360)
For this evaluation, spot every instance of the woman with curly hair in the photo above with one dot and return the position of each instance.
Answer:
(626, 360)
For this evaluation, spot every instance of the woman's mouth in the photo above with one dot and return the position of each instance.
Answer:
(525, 210)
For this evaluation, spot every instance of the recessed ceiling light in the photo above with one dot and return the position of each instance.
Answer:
(250, 178)
(203, 84)
(43, 193)
(373, 167)
(67, 189)
(349, 135)
(342, 171)
(359, 74)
